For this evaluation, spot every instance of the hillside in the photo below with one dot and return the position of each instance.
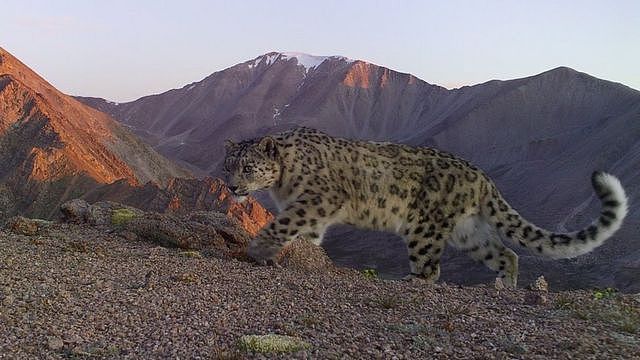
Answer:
(54, 148)
(94, 292)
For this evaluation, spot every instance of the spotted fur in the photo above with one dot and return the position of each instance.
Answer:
(429, 197)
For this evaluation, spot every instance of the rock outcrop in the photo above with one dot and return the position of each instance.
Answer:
(182, 196)
(212, 232)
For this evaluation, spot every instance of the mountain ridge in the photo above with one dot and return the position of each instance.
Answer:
(72, 121)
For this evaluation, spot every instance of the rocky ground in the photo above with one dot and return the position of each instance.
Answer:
(95, 291)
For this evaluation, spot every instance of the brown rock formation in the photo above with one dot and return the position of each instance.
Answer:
(182, 196)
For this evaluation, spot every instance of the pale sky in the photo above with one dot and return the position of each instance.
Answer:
(122, 50)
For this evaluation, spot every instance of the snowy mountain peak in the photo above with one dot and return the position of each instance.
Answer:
(269, 59)
(306, 60)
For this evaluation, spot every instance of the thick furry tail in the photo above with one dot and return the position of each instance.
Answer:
(563, 245)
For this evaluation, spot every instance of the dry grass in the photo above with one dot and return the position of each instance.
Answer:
(120, 217)
(271, 343)
(191, 254)
(608, 307)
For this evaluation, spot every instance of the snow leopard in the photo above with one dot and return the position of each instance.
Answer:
(428, 197)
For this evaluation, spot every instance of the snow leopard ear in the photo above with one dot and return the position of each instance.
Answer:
(268, 147)
(228, 144)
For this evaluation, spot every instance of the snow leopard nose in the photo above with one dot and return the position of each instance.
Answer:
(233, 188)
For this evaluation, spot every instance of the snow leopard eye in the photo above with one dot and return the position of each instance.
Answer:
(247, 169)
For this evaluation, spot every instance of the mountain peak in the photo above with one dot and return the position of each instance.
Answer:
(565, 70)
(311, 61)
(305, 60)
(563, 74)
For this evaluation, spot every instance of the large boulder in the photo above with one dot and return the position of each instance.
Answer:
(302, 254)
(211, 232)
(231, 230)
(75, 211)
(111, 213)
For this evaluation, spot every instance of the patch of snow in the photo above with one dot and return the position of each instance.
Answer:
(191, 87)
(311, 61)
(305, 60)
(276, 115)
(343, 58)
(113, 103)
(268, 59)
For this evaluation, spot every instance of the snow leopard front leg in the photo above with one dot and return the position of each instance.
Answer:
(309, 216)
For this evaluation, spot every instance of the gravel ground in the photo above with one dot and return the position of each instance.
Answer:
(76, 291)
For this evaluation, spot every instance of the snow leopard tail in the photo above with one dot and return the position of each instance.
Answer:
(563, 245)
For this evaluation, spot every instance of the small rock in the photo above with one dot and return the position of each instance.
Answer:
(73, 338)
(8, 300)
(304, 255)
(54, 343)
(75, 211)
(129, 235)
(540, 284)
(79, 351)
(536, 298)
(25, 226)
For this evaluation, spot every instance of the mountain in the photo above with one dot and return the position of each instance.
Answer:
(272, 92)
(539, 137)
(54, 148)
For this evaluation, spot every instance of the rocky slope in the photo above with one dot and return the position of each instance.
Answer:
(77, 291)
(539, 137)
